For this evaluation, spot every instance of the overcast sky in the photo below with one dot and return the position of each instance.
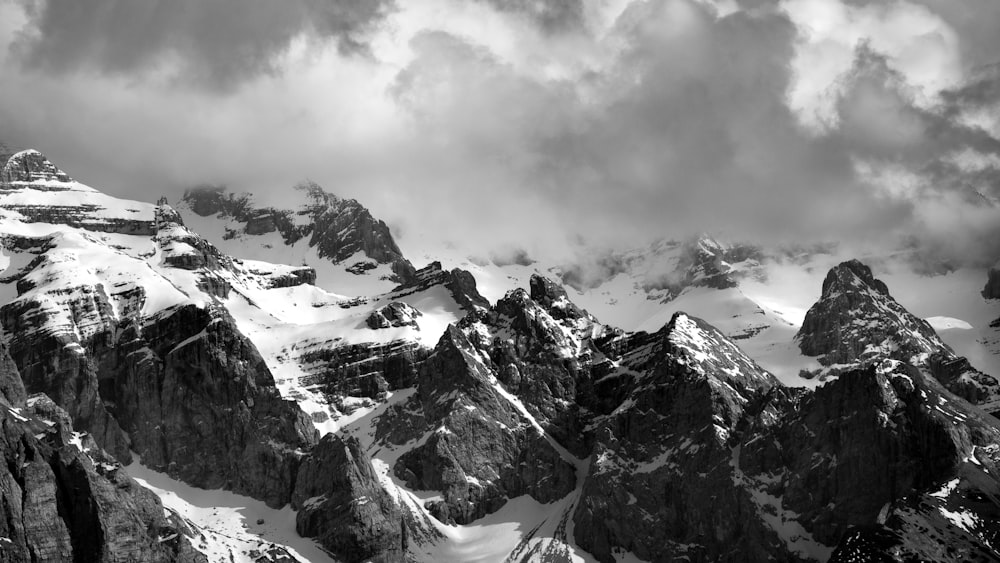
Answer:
(534, 122)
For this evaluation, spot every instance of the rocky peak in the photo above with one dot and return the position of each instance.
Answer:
(856, 321)
(701, 346)
(482, 447)
(343, 506)
(553, 298)
(708, 379)
(31, 166)
(851, 276)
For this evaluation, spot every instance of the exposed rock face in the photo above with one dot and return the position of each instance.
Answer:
(660, 483)
(857, 323)
(337, 228)
(460, 283)
(41, 193)
(992, 288)
(395, 314)
(540, 346)
(53, 341)
(184, 249)
(343, 506)
(30, 166)
(483, 449)
(931, 461)
(11, 386)
(199, 404)
(63, 502)
(363, 370)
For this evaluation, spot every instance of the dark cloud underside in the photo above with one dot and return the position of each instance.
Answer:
(214, 42)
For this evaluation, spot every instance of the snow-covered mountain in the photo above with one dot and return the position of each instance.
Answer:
(353, 253)
(218, 381)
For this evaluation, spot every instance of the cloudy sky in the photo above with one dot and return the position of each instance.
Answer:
(534, 122)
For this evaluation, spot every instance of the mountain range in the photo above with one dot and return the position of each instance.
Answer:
(208, 379)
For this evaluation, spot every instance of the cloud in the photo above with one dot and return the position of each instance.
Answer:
(914, 41)
(551, 15)
(476, 124)
(219, 43)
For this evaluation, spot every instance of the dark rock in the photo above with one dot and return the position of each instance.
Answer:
(363, 370)
(200, 404)
(460, 283)
(297, 277)
(56, 361)
(11, 386)
(260, 224)
(660, 482)
(207, 200)
(395, 314)
(342, 505)
(992, 288)
(58, 503)
(553, 298)
(482, 450)
(359, 268)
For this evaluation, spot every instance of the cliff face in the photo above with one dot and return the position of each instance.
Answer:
(343, 506)
(199, 404)
(64, 499)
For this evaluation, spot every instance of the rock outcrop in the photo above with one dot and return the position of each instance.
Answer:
(363, 370)
(395, 314)
(460, 283)
(64, 499)
(342, 505)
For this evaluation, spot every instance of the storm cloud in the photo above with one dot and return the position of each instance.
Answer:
(218, 43)
(535, 125)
